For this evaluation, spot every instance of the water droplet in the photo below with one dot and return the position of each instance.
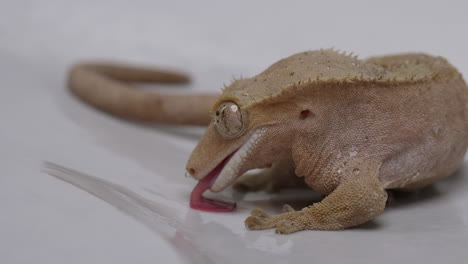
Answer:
(356, 171)
(353, 153)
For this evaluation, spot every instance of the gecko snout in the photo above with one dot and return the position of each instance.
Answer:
(191, 171)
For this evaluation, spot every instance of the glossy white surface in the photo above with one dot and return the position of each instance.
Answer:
(45, 220)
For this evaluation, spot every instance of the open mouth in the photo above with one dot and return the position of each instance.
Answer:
(225, 173)
(197, 201)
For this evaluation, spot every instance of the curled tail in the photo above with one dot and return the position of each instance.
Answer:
(106, 87)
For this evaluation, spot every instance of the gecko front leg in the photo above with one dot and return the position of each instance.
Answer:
(357, 199)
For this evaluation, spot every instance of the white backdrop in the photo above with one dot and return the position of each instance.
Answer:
(44, 220)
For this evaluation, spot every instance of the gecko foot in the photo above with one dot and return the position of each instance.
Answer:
(287, 227)
(287, 222)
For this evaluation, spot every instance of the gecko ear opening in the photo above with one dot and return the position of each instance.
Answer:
(228, 120)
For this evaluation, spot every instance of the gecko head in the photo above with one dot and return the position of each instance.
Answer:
(237, 140)
(258, 121)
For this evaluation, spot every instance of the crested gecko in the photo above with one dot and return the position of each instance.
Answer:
(348, 128)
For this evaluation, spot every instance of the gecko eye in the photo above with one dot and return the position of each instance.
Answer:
(228, 120)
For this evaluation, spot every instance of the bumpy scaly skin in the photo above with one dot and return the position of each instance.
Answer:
(354, 201)
(350, 129)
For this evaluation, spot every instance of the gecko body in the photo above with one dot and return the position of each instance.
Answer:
(350, 129)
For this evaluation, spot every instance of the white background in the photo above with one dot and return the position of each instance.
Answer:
(45, 220)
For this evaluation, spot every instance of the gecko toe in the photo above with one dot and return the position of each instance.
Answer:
(287, 227)
(259, 213)
(257, 223)
(287, 208)
(259, 220)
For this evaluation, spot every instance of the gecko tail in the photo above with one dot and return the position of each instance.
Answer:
(107, 87)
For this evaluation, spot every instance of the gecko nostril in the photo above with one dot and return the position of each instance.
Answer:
(191, 171)
(304, 114)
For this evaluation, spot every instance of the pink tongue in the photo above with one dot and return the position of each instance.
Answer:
(197, 201)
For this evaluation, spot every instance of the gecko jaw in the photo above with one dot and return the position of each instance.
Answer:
(233, 168)
(226, 172)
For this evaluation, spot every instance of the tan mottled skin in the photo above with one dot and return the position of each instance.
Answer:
(394, 122)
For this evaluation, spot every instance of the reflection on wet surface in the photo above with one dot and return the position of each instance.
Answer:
(197, 241)
(221, 238)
